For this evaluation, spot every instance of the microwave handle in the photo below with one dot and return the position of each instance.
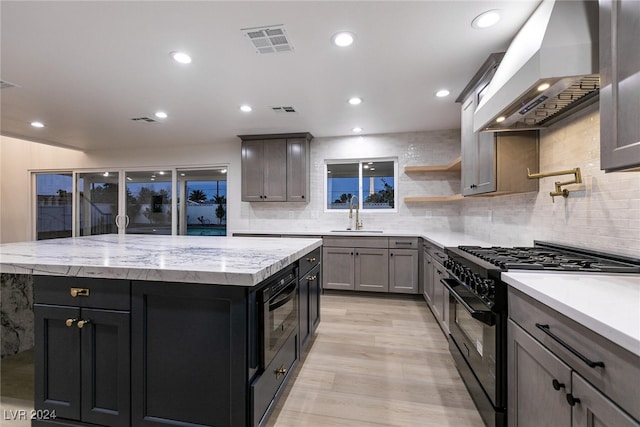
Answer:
(277, 303)
(484, 316)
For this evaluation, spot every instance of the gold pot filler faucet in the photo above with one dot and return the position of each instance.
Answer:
(577, 179)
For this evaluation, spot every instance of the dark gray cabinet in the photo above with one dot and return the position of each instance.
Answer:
(82, 367)
(189, 354)
(620, 84)
(310, 286)
(275, 168)
(561, 373)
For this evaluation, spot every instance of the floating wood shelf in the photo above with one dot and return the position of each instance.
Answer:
(450, 198)
(451, 167)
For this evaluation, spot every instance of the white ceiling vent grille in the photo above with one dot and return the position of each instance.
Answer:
(284, 110)
(272, 39)
(144, 119)
(6, 85)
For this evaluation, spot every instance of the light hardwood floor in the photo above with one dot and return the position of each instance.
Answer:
(375, 361)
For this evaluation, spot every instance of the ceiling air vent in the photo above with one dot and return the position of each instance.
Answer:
(144, 119)
(283, 110)
(6, 85)
(271, 39)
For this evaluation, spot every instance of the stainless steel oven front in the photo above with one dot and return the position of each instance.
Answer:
(476, 335)
(279, 302)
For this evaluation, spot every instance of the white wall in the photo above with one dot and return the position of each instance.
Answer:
(604, 214)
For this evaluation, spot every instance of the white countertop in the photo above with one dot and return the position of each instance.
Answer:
(241, 261)
(438, 238)
(607, 304)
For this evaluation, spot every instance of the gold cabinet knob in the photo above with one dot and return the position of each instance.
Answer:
(79, 292)
(312, 278)
(82, 323)
(70, 322)
(281, 372)
(312, 259)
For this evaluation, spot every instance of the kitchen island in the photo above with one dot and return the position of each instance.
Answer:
(155, 330)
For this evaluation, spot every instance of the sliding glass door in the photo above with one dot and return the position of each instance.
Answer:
(53, 205)
(202, 201)
(148, 202)
(97, 201)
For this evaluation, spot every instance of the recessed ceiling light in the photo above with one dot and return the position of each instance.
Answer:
(161, 172)
(357, 129)
(486, 19)
(181, 57)
(37, 124)
(161, 115)
(246, 108)
(442, 93)
(543, 86)
(355, 100)
(343, 38)
(500, 119)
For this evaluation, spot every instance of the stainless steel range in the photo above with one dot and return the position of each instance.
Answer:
(478, 309)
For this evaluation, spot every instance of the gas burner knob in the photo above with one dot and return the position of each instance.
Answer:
(488, 288)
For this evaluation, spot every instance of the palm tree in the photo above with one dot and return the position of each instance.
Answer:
(197, 196)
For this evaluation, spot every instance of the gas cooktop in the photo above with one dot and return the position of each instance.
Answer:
(545, 256)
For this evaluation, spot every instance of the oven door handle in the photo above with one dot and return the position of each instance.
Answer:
(485, 316)
(279, 302)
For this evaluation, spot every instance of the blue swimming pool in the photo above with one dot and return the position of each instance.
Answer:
(206, 231)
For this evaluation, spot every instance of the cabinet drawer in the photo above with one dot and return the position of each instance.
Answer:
(356, 242)
(403, 243)
(265, 388)
(309, 261)
(620, 375)
(90, 293)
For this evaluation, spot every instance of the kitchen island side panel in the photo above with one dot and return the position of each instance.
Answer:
(189, 355)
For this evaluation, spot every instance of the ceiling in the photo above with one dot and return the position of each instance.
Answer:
(86, 68)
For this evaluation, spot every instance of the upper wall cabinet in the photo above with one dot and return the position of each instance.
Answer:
(620, 84)
(493, 163)
(275, 168)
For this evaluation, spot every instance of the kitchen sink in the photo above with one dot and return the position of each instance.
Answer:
(356, 231)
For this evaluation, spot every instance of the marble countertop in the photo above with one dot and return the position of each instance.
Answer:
(607, 304)
(441, 239)
(194, 259)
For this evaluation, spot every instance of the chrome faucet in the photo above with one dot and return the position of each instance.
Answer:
(358, 221)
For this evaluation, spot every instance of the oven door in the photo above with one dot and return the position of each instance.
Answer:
(280, 319)
(475, 331)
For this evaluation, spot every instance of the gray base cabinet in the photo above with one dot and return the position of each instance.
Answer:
(435, 294)
(371, 264)
(549, 384)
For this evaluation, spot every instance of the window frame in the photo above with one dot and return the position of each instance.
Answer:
(360, 162)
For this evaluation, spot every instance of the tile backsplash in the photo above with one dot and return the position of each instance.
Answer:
(602, 213)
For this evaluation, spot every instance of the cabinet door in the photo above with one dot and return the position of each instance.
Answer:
(315, 289)
(468, 147)
(57, 360)
(537, 382)
(486, 163)
(303, 309)
(620, 84)
(297, 170)
(275, 170)
(338, 268)
(372, 269)
(252, 171)
(403, 271)
(594, 409)
(428, 278)
(437, 299)
(106, 367)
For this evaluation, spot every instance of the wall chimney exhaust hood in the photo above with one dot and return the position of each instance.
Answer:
(549, 70)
